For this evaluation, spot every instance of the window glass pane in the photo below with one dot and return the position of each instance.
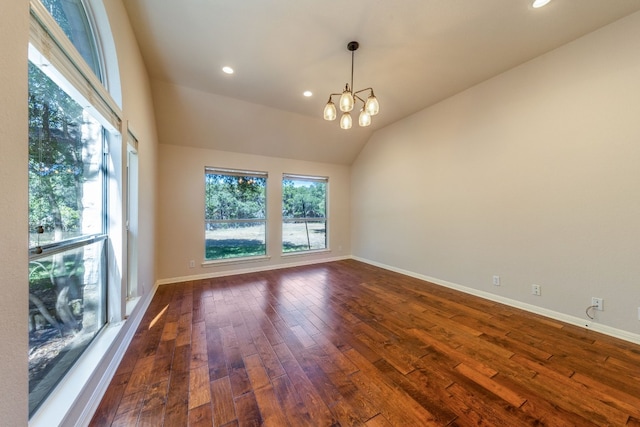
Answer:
(72, 18)
(66, 311)
(235, 215)
(67, 298)
(304, 202)
(65, 165)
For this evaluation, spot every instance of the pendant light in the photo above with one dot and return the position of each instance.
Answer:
(348, 99)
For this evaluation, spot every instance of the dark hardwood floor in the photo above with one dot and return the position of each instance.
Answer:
(345, 343)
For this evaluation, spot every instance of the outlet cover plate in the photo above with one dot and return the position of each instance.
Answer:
(597, 303)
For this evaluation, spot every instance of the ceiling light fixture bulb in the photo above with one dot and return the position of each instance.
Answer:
(364, 119)
(330, 112)
(227, 70)
(539, 3)
(372, 106)
(345, 121)
(346, 100)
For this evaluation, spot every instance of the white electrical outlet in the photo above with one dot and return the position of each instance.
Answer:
(496, 280)
(192, 264)
(535, 289)
(597, 303)
(638, 313)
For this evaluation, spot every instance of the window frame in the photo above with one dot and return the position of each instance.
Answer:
(210, 170)
(308, 178)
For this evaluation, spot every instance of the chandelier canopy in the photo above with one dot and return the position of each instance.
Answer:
(348, 99)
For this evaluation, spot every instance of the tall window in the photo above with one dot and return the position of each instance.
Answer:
(71, 116)
(235, 213)
(304, 217)
(67, 233)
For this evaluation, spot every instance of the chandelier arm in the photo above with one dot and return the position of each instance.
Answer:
(357, 97)
(362, 90)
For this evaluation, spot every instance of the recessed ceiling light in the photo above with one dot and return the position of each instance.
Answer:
(539, 3)
(227, 70)
(307, 93)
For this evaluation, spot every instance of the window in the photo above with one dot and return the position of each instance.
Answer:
(304, 218)
(71, 16)
(235, 213)
(67, 232)
(72, 120)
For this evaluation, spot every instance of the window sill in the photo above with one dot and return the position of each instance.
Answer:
(231, 261)
(62, 398)
(305, 253)
(131, 304)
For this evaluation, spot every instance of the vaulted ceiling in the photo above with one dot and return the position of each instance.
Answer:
(414, 53)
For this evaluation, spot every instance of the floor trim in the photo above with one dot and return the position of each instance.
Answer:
(249, 270)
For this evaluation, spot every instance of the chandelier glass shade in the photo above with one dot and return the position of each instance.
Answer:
(348, 100)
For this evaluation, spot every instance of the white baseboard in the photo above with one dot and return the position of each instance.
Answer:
(563, 317)
(249, 270)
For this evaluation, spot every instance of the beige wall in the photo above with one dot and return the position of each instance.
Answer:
(181, 208)
(14, 33)
(532, 175)
(137, 106)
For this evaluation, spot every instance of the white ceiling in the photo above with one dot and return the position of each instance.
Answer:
(414, 53)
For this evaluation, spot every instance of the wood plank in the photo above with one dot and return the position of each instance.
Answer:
(269, 359)
(393, 403)
(378, 421)
(126, 419)
(314, 404)
(215, 353)
(177, 408)
(247, 410)
(257, 374)
(199, 356)
(292, 405)
(163, 361)
(222, 397)
(183, 334)
(153, 406)
(420, 390)
(201, 416)
(272, 413)
(240, 383)
(108, 407)
(141, 376)
(199, 388)
(490, 385)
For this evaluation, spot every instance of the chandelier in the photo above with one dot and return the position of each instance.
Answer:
(348, 99)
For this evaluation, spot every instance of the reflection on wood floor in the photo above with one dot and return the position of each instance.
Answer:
(345, 343)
